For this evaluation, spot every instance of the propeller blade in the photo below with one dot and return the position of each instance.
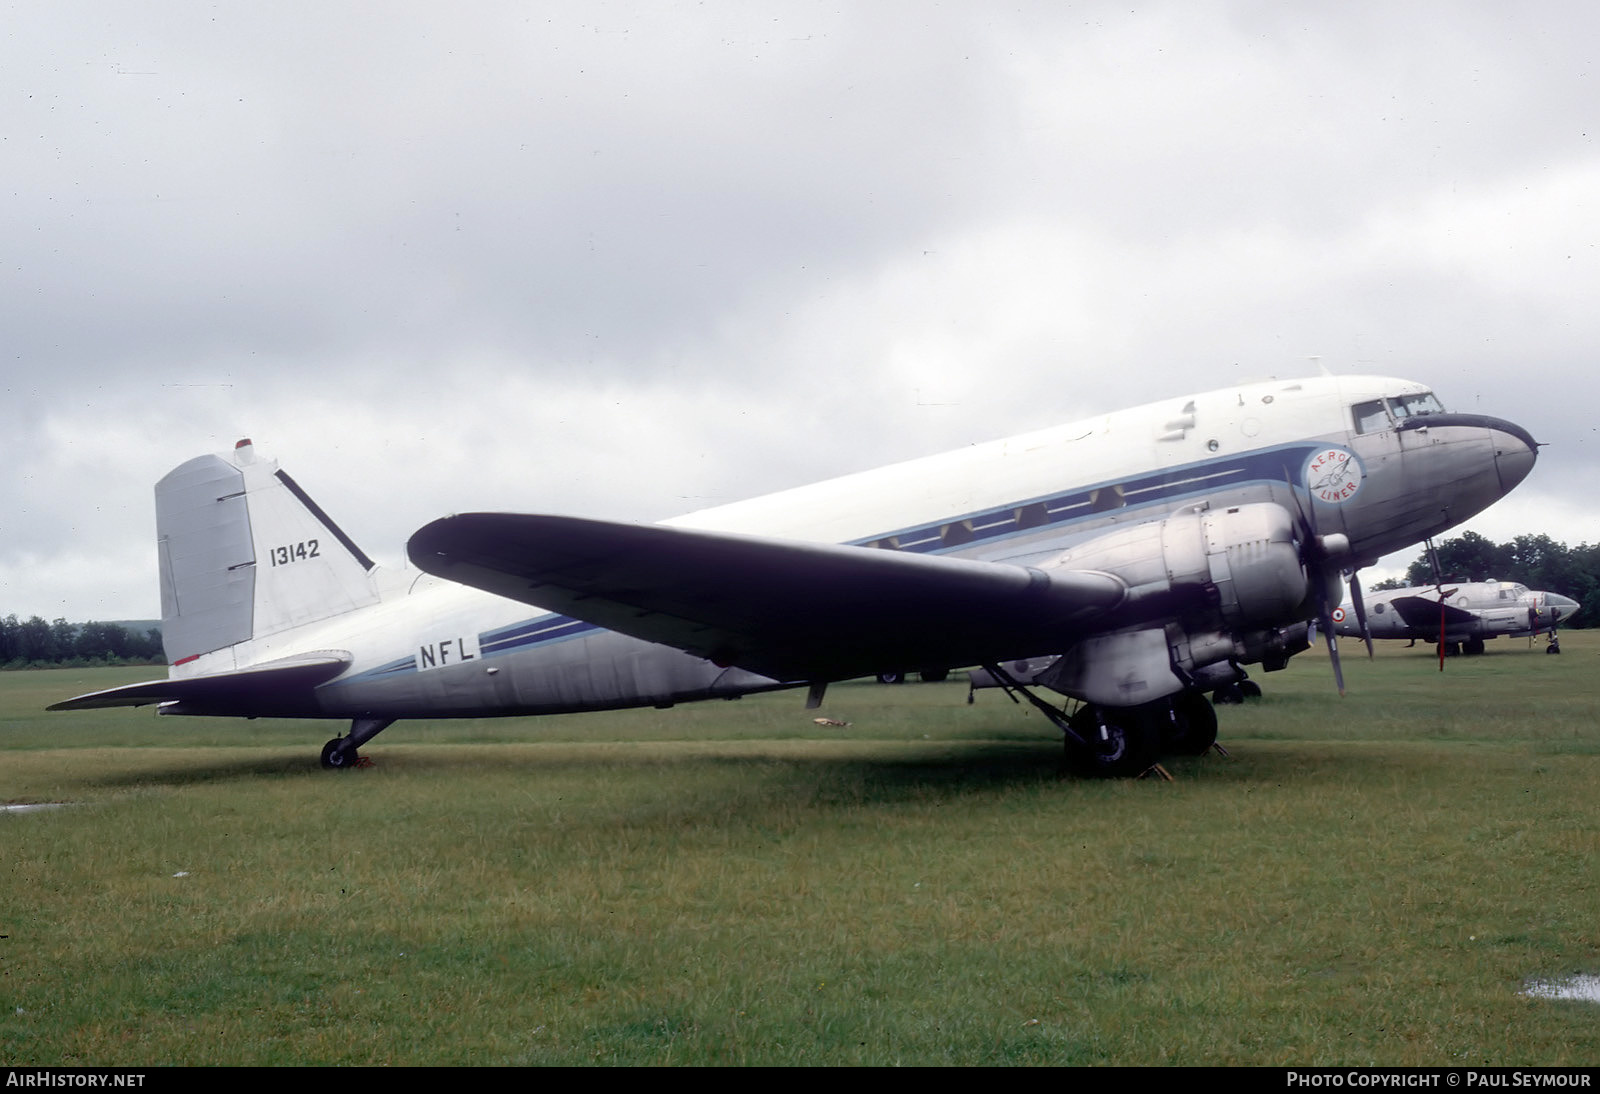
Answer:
(1325, 621)
(1361, 611)
(1321, 556)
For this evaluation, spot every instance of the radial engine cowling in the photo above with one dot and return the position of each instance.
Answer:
(1240, 563)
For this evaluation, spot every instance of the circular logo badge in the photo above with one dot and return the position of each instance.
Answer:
(1333, 475)
(1338, 615)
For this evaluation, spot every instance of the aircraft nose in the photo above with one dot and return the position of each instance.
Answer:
(1515, 451)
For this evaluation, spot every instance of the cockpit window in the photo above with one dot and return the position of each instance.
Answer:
(1371, 417)
(1381, 414)
(1408, 406)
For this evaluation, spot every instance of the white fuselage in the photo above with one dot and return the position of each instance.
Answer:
(431, 647)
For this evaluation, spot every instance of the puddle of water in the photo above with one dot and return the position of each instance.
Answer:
(1584, 988)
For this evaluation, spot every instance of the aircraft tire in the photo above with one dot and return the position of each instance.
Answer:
(333, 756)
(1249, 689)
(934, 676)
(891, 677)
(1228, 695)
(1192, 729)
(1132, 744)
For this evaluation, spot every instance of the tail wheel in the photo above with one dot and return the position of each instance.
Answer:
(335, 758)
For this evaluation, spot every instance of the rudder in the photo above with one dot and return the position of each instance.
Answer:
(245, 553)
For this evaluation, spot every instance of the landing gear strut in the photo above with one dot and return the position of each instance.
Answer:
(340, 752)
(1121, 742)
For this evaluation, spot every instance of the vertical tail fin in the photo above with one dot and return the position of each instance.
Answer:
(245, 553)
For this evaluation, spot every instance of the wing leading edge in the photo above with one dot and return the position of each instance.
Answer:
(786, 609)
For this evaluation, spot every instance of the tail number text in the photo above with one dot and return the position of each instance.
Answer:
(293, 552)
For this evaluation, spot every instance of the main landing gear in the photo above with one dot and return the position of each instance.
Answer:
(1237, 692)
(1122, 742)
(340, 752)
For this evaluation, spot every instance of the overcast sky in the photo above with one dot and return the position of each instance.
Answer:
(627, 260)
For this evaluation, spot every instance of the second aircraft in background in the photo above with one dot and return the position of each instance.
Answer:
(1472, 611)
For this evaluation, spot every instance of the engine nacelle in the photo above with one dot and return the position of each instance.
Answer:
(1215, 587)
(1241, 563)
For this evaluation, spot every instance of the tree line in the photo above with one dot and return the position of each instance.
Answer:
(33, 643)
(1539, 562)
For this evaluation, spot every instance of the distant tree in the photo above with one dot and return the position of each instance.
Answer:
(1468, 557)
(101, 642)
(63, 639)
(34, 641)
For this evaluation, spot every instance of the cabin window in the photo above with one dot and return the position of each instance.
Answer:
(1371, 417)
(1106, 499)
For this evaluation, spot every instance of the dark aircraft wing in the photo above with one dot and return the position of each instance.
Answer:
(277, 688)
(1423, 614)
(785, 609)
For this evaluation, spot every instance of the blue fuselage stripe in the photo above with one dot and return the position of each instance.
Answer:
(1276, 466)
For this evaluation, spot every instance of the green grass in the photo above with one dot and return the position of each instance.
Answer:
(1367, 880)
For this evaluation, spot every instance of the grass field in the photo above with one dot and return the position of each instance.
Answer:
(1367, 880)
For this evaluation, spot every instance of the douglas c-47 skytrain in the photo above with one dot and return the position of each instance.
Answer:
(1145, 556)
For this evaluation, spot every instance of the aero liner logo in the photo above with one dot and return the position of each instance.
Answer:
(1333, 475)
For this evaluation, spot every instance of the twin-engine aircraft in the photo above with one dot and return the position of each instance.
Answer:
(1151, 552)
(1471, 612)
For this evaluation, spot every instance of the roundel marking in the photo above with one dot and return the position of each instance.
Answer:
(1333, 475)
(1338, 615)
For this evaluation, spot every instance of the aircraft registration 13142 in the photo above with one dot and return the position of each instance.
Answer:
(1144, 557)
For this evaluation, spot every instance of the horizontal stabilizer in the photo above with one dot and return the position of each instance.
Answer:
(1422, 613)
(782, 608)
(282, 688)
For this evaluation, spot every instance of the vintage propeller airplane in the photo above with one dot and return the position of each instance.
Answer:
(1152, 552)
(1472, 611)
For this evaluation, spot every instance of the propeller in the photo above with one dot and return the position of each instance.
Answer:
(1323, 557)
